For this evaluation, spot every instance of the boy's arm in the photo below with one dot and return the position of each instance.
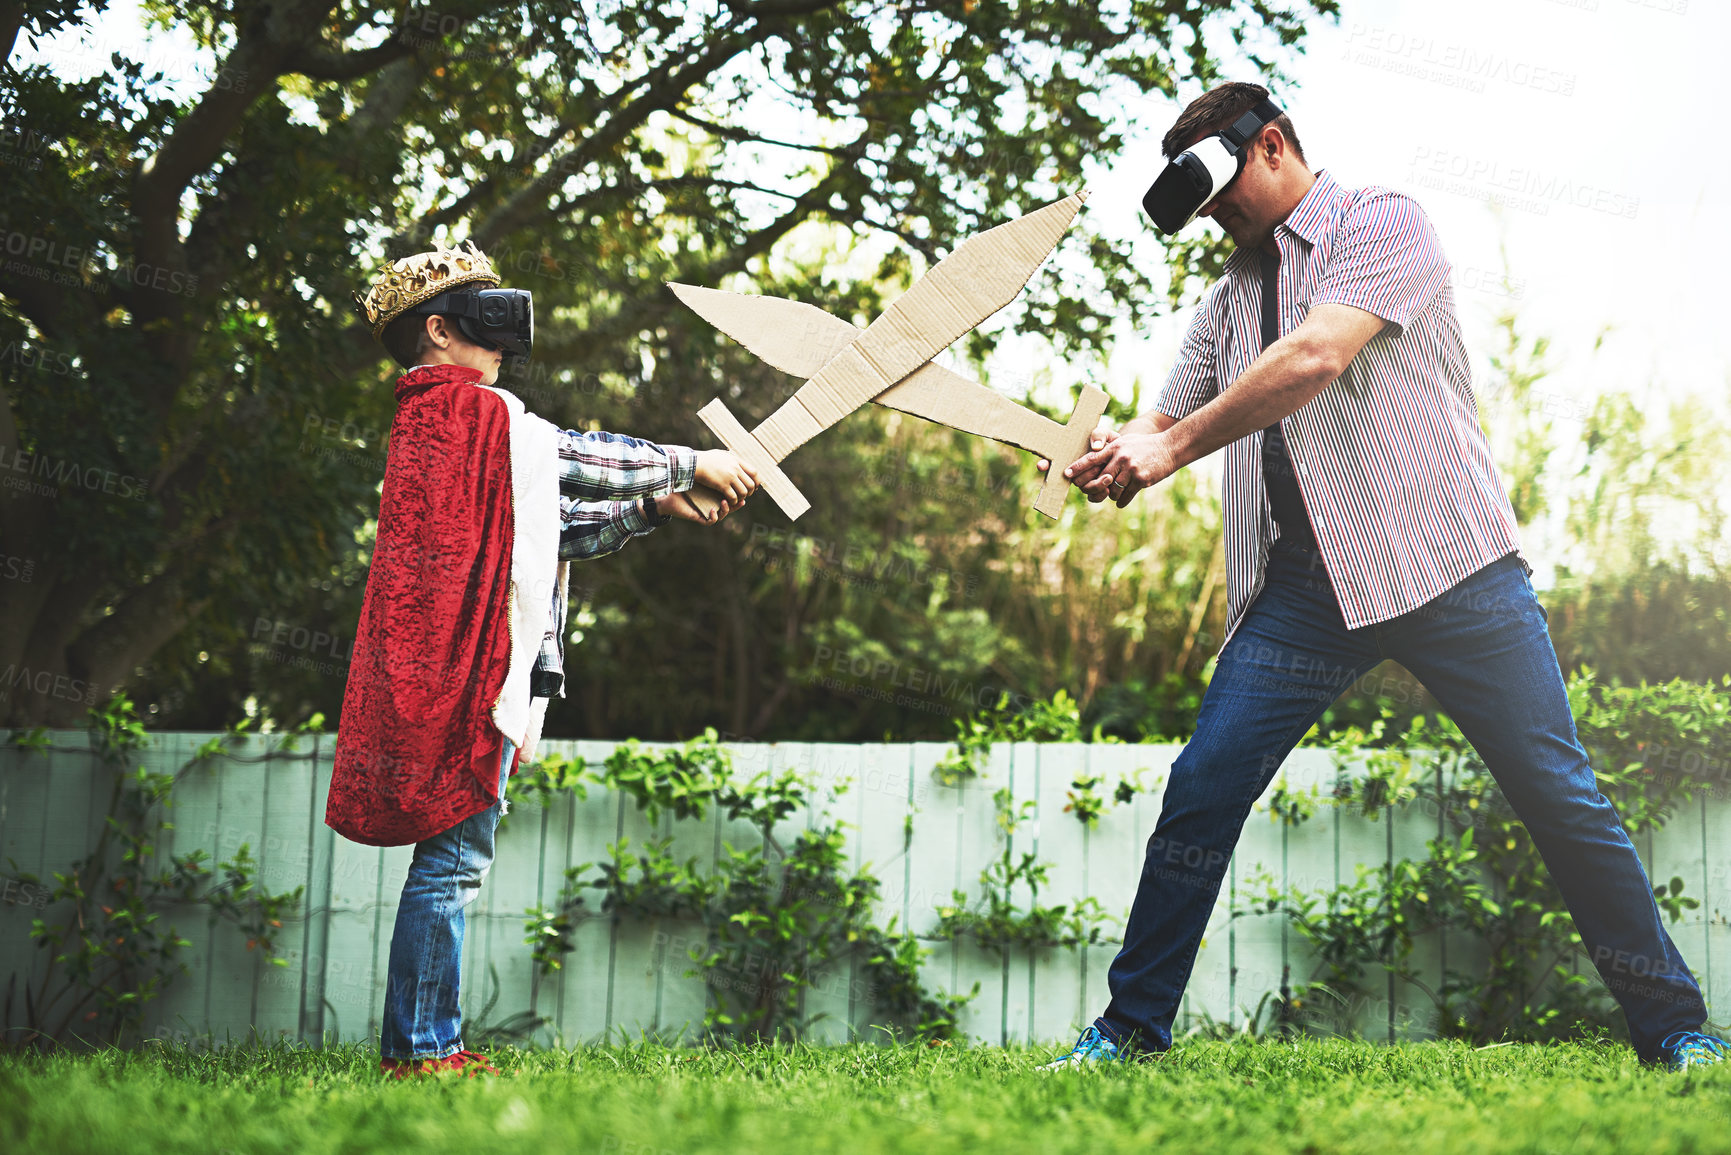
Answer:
(590, 529)
(600, 466)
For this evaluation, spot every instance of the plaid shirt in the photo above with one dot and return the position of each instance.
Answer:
(607, 486)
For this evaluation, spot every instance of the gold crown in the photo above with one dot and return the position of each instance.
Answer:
(422, 277)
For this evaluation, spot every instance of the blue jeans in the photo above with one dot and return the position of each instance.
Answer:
(422, 1018)
(1483, 652)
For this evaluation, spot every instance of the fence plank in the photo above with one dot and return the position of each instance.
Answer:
(25, 787)
(1413, 1011)
(1054, 976)
(1308, 867)
(357, 881)
(284, 857)
(1716, 902)
(1017, 966)
(980, 840)
(586, 979)
(1362, 841)
(888, 795)
(63, 775)
(495, 918)
(314, 945)
(830, 1003)
(184, 1011)
(1680, 851)
(1254, 941)
(241, 819)
(637, 963)
(393, 875)
(1115, 852)
(25, 790)
(681, 999)
(935, 870)
(552, 850)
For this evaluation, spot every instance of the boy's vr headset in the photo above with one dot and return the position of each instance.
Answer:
(502, 319)
(1204, 171)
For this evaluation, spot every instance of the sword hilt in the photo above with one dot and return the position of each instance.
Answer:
(748, 449)
(1067, 448)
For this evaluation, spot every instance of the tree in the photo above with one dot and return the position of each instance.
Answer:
(194, 417)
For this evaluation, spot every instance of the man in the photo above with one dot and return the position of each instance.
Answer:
(1364, 520)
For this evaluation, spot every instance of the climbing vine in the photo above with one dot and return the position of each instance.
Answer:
(1521, 972)
(112, 949)
(996, 921)
(778, 918)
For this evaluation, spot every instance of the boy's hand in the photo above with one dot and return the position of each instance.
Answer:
(721, 471)
(681, 506)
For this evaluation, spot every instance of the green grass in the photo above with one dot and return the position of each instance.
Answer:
(1304, 1096)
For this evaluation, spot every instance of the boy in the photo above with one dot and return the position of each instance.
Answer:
(459, 646)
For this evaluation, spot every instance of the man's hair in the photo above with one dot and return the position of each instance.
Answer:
(1215, 110)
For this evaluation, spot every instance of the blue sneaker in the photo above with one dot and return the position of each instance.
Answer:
(1685, 1049)
(1091, 1049)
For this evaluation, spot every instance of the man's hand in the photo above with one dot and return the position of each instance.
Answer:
(1102, 436)
(1120, 469)
(721, 471)
(1099, 472)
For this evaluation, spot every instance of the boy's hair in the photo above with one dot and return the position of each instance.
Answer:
(1215, 110)
(405, 339)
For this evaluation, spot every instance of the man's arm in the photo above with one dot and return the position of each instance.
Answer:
(1191, 385)
(1282, 379)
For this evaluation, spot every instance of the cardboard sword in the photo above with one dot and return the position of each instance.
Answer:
(890, 361)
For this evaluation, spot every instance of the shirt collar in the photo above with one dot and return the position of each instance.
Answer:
(1308, 219)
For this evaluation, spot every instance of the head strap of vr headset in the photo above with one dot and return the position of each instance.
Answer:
(1241, 130)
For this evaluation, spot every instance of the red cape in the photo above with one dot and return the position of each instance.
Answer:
(417, 751)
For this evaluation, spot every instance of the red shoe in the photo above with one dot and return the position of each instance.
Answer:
(465, 1061)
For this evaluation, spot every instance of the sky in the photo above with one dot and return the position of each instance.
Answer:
(1573, 134)
(1588, 120)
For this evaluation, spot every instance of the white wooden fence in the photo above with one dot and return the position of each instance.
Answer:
(629, 978)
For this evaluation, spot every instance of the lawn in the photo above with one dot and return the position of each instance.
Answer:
(1304, 1096)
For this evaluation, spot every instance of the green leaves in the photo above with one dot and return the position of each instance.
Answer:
(1483, 880)
(996, 921)
(208, 340)
(1054, 719)
(113, 951)
(775, 921)
(1673, 901)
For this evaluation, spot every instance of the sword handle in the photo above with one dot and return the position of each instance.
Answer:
(704, 498)
(1089, 408)
(748, 449)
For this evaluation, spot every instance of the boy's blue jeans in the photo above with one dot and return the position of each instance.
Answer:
(1483, 652)
(422, 1019)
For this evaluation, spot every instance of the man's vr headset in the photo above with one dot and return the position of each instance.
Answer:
(1204, 171)
(502, 319)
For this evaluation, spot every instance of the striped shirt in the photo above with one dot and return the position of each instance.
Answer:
(593, 468)
(1393, 467)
